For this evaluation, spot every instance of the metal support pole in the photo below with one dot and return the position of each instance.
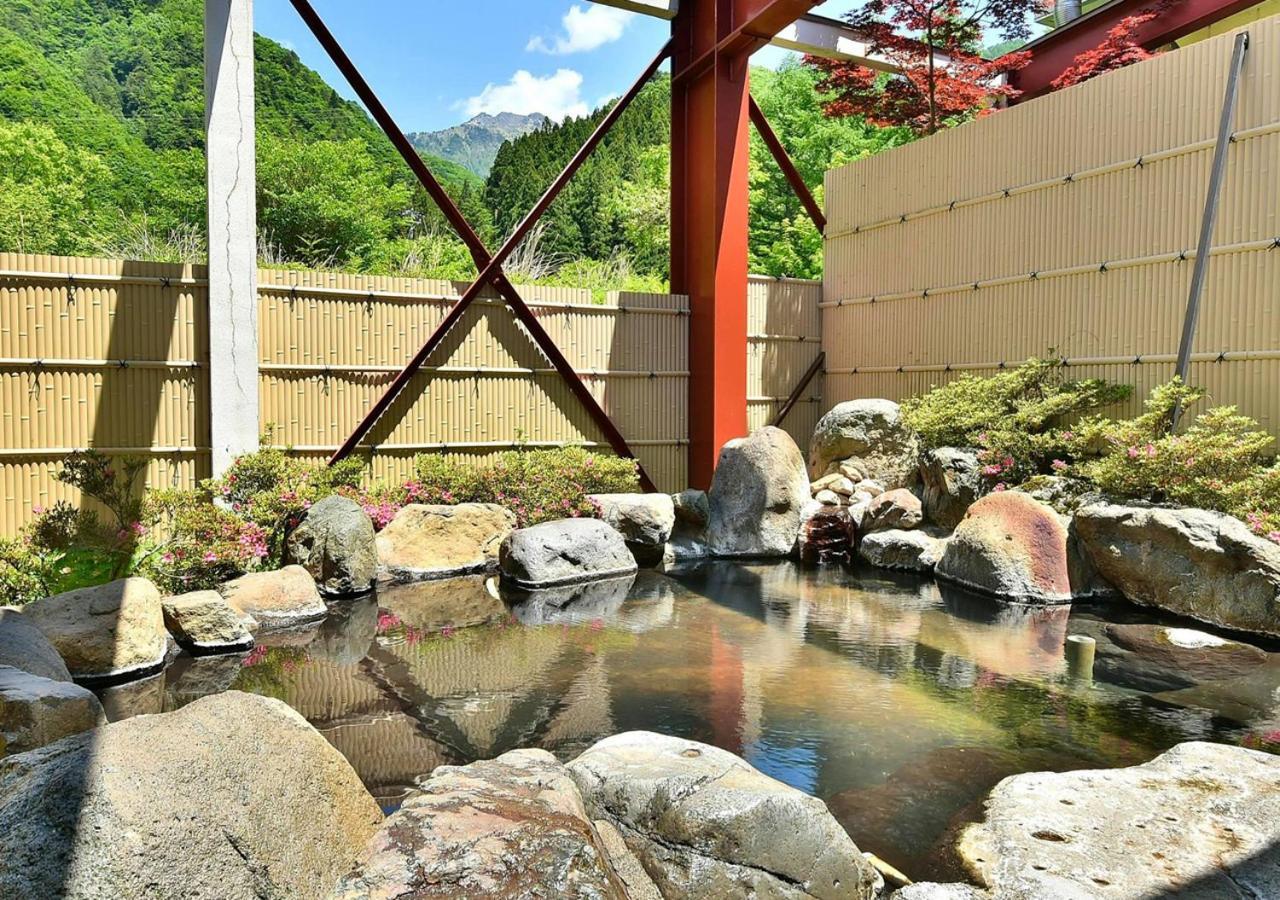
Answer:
(1216, 175)
(490, 266)
(814, 368)
(770, 138)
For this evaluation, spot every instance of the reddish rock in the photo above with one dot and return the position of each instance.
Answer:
(1011, 546)
(898, 509)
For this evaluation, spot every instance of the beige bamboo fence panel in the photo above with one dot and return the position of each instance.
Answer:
(1067, 226)
(784, 336)
(113, 354)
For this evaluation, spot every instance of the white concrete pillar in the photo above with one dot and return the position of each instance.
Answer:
(233, 304)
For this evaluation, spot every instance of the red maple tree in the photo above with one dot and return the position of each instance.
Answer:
(933, 46)
(1120, 49)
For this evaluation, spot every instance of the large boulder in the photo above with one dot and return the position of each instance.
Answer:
(35, 711)
(335, 543)
(565, 551)
(898, 509)
(1010, 546)
(203, 622)
(953, 481)
(645, 521)
(514, 827)
(706, 824)
(757, 492)
(1200, 821)
(278, 599)
(917, 550)
(233, 796)
(107, 631)
(425, 541)
(1163, 658)
(24, 646)
(872, 434)
(1193, 562)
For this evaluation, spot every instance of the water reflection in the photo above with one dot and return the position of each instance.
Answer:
(898, 703)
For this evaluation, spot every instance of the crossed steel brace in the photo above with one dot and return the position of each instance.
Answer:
(489, 265)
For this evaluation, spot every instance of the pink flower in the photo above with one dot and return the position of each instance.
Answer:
(1274, 536)
(1058, 465)
(1133, 452)
(37, 510)
(210, 556)
(1001, 487)
(1151, 450)
(1068, 435)
(992, 470)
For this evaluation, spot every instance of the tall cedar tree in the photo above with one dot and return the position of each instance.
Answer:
(1120, 49)
(934, 45)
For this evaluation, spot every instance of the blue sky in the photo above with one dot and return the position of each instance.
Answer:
(435, 63)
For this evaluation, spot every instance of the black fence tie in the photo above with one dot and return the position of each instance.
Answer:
(951, 206)
(903, 220)
(873, 299)
(975, 285)
(1102, 268)
(71, 289)
(1001, 365)
(1006, 192)
(1138, 164)
(1222, 357)
(1064, 362)
(122, 363)
(1069, 179)
(1035, 276)
(857, 229)
(947, 367)
(293, 292)
(924, 293)
(901, 370)
(1182, 257)
(1137, 360)
(1231, 138)
(1275, 243)
(164, 281)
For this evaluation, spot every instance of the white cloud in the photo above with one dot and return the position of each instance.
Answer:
(585, 28)
(557, 96)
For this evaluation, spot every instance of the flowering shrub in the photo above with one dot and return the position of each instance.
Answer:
(27, 571)
(206, 544)
(1015, 418)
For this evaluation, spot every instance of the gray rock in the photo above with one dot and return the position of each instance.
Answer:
(1010, 546)
(1193, 562)
(280, 599)
(35, 711)
(635, 880)
(898, 509)
(24, 646)
(918, 550)
(140, 697)
(511, 827)
(203, 621)
(692, 508)
(1087, 582)
(1063, 493)
(1200, 821)
(706, 824)
(1162, 658)
(872, 433)
(931, 890)
(757, 492)
(335, 543)
(566, 551)
(425, 541)
(108, 631)
(234, 796)
(645, 521)
(953, 480)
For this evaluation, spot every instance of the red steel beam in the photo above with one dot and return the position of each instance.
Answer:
(766, 132)
(709, 166)
(490, 266)
(1053, 53)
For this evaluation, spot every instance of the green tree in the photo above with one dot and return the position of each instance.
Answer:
(48, 191)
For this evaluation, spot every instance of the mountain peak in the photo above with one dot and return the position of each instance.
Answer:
(474, 144)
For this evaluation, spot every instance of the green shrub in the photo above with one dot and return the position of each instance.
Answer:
(205, 544)
(1015, 418)
(27, 572)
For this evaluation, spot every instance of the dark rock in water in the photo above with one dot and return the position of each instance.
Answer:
(335, 543)
(826, 533)
(443, 602)
(24, 646)
(1199, 821)
(706, 824)
(1010, 546)
(511, 827)
(573, 604)
(1193, 562)
(234, 796)
(565, 551)
(35, 711)
(1160, 658)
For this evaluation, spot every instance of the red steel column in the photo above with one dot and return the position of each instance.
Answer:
(714, 40)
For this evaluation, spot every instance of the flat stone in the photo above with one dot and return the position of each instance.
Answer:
(899, 509)
(279, 599)
(334, 541)
(511, 827)
(1158, 658)
(233, 796)
(35, 711)
(1199, 821)
(1010, 546)
(911, 551)
(826, 482)
(1205, 565)
(107, 631)
(757, 492)
(566, 551)
(953, 481)
(871, 434)
(704, 823)
(203, 621)
(930, 890)
(828, 498)
(425, 541)
(24, 646)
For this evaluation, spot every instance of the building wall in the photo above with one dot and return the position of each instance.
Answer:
(1067, 226)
